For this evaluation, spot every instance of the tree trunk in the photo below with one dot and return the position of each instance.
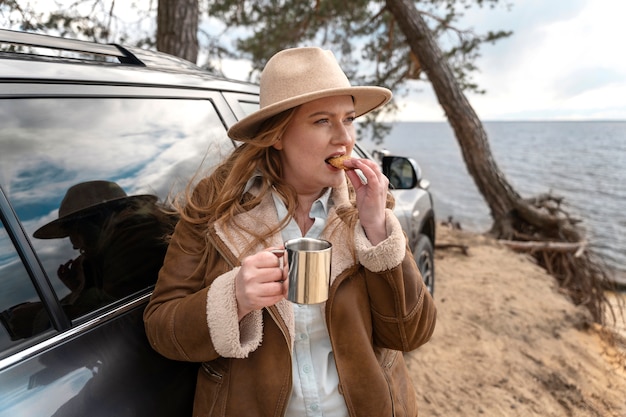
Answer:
(500, 197)
(177, 28)
(538, 220)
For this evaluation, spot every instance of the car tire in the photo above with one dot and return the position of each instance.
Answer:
(424, 257)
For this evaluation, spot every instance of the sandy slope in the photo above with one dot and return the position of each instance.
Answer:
(507, 343)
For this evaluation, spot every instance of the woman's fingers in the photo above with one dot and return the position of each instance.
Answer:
(260, 281)
(371, 198)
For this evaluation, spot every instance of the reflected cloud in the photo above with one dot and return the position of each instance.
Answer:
(174, 132)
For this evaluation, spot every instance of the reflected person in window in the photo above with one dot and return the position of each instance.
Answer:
(121, 241)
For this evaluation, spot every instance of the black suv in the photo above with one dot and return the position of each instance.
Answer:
(73, 112)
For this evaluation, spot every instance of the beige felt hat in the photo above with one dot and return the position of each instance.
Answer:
(296, 76)
(83, 199)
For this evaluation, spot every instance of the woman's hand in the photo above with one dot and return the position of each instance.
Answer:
(72, 274)
(260, 282)
(371, 198)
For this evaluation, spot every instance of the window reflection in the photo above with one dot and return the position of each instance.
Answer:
(146, 146)
(120, 239)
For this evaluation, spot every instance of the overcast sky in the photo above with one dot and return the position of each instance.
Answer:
(564, 61)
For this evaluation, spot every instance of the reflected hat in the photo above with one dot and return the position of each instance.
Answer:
(80, 200)
(296, 76)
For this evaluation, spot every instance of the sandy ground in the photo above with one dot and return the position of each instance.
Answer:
(508, 343)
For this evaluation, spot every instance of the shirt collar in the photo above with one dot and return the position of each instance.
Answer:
(319, 208)
(257, 175)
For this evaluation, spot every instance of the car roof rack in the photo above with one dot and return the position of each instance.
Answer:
(98, 51)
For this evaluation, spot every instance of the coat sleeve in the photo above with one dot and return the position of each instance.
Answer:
(403, 311)
(192, 314)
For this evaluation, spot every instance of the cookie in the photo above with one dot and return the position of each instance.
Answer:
(337, 161)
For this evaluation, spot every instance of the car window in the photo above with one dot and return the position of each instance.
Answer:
(248, 107)
(21, 312)
(56, 152)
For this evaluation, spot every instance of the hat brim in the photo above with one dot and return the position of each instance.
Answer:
(55, 229)
(366, 99)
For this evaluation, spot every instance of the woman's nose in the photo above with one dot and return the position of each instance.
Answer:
(344, 134)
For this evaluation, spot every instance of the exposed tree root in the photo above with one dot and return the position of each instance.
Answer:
(543, 228)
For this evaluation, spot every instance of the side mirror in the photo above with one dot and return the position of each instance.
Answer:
(403, 173)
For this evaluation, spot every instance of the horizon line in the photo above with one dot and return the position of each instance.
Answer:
(520, 121)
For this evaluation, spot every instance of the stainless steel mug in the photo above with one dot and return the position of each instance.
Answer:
(308, 263)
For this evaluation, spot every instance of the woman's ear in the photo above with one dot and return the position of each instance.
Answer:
(278, 145)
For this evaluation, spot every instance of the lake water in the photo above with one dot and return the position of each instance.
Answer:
(584, 162)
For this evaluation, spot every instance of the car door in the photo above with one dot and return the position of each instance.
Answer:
(150, 141)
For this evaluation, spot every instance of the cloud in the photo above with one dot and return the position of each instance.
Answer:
(562, 62)
(588, 79)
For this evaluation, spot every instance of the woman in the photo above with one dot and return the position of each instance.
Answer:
(220, 297)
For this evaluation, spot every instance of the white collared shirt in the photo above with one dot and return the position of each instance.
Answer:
(315, 391)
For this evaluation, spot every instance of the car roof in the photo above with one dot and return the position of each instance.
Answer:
(29, 56)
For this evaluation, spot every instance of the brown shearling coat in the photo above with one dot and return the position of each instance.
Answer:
(378, 308)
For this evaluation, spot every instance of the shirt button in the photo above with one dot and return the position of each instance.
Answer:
(306, 369)
(314, 407)
(303, 336)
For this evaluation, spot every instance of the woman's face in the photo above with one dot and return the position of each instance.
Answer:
(318, 130)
